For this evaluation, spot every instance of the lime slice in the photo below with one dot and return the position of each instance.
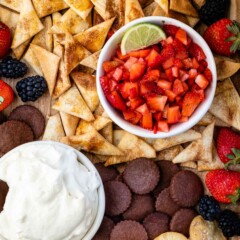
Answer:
(141, 36)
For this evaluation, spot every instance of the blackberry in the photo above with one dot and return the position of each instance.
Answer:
(31, 88)
(228, 222)
(213, 10)
(12, 68)
(209, 208)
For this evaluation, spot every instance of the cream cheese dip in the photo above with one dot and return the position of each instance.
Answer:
(51, 195)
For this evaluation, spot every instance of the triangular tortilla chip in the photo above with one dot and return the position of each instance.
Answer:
(28, 25)
(133, 10)
(107, 132)
(84, 127)
(199, 3)
(200, 150)
(133, 147)
(9, 17)
(70, 123)
(49, 63)
(86, 84)
(101, 7)
(148, 10)
(191, 165)
(158, 12)
(18, 52)
(15, 5)
(97, 19)
(226, 67)
(178, 16)
(100, 111)
(74, 53)
(31, 59)
(94, 38)
(188, 136)
(184, 7)
(226, 102)
(47, 7)
(71, 102)
(92, 142)
(56, 17)
(71, 22)
(84, 69)
(82, 7)
(170, 153)
(54, 130)
(91, 61)
(164, 4)
(117, 136)
(150, 141)
(209, 118)
(234, 10)
(101, 122)
(192, 21)
(43, 38)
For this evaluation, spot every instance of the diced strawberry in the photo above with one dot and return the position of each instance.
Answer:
(152, 59)
(189, 40)
(126, 88)
(169, 74)
(179, 101)
(168, 63)
(120, 56)
(156, 47)
(178, 63)
(171, 95)
(163, 126)
(132, 116)
(204, 63)
(195, 63)
(137, 71)
(118, 73)
(178, 87)
(140, 53)
(105, 85)
(192, 73)
(208, 74)
(119, 60)
(180, 50)
(112, 85)
(129, 114)
(181, 35)
(109, 66)
(201, 81)
(188, 63)
(170, 30)
(135, 102)
(143, 109)
(147, 87)
(190, 103)
(151, 75)
(129, 63)
(136, 119)
(169, 40)
(183, 75)
(116, 101)
(166, 53)
(201, 94)
(183, 119)
(126, 75)
(155, 128)
(156, 102)
(163, 75)
(185, 87)
(196, 51)
(164, 84)
(164, 113)
(147, 121)
(175, 71)
(173, 114)
(157, 116)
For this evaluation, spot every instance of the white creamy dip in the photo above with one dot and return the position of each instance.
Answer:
(51, 195)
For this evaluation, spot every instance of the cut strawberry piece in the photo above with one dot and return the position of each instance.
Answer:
(126, 75)
(140, 53)
(155, 128)
(151, 75)
(178, 63)
(156, 102)
(147, 87)
(188, 63)
(180, 50)
(192, 73)
(169, 40)
(163, 126)
(195, 63)
(171, 95)
(169, 74)
(168, 63)
(120, 56)
(129, 114)
(109, 66)
(173, 114)
(163, 76)
(129, 63)
(152, 59)
(178, 87)
(143, 109)
(170, 30)
(118, 73)
(105, 85)
(164, 84)
(175, 71)
(196, 51)
(181, 35)
(201, 81)
(126, 88)
(116, 101)
(190, 103)
(134, 92)
(147, 121)
(135, 103)
(204, 63)
(208, 74)
(136, 119)
(164, 113)
(137, 71)
(185, 87)
(157, 116)
(183, 119)
(166, 53)
(112, 85)
(201, 94)
(179, 101)
(183, 75)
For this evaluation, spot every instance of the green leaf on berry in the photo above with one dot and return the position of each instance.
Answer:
(234, 158)
(234, 28)
(234, 198)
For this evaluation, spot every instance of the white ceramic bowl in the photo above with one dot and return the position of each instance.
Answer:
(88, 164)
(109, 50)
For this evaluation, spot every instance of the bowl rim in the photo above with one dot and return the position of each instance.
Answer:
(90, 166)
(137, 130)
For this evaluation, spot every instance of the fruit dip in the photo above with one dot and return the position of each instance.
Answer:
(51, 195)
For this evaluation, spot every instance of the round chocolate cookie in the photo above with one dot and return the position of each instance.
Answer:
(2, 118)
(141, 206)
(106, 173)
(13, 134)
(181, 221)
(105, 229)
(141, 175)
(156, 224)
(118, 197)
(167, 171)
(31, 116)
(186, 188)
(3, 194)
(165, 204)
(128, 230)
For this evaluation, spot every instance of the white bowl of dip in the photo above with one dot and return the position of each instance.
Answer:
(55, 192)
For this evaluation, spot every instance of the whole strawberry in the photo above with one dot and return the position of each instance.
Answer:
(228, 146)
(223, 37)
(5, 40)
(6, 95)
(224, 185)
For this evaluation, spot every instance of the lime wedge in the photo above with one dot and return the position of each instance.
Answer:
(141, 36)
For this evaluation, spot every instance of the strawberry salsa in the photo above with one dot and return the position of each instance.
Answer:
(160, 85)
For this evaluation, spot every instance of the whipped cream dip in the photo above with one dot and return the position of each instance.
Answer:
(51, 195)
